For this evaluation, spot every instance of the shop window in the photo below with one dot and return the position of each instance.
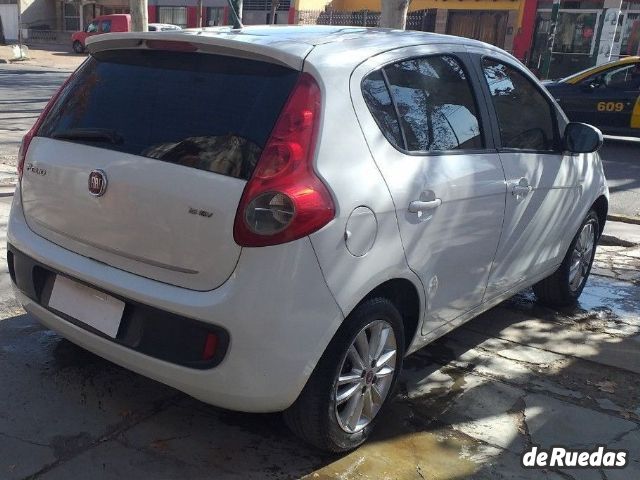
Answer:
(214, 16)
(71, 16)
(575, 32)
(630, 35)
(173, 16)
(114, 10)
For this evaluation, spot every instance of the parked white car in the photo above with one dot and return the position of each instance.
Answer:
(311, 205)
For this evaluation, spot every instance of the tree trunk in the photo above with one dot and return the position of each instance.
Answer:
(237, 4)
(139, 15)
(199, 14)
(394, 13)
(274, 8)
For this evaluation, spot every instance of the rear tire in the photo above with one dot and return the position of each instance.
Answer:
(77, 47)
(563, 287)
(324, 414)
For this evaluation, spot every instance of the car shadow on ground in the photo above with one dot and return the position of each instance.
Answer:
(468, 405)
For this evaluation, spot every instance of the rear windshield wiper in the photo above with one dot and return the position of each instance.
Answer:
(89, 134)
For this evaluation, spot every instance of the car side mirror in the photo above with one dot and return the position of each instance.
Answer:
(581, 138)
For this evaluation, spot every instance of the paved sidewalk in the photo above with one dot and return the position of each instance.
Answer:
(58, 57)
(8, 180)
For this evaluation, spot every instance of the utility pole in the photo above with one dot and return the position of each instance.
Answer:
(546, 56)
(19, 25)
(199, 14)
(139, 15)
(235, 6)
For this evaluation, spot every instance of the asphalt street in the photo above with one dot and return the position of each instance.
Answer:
(467, 406)
(25, 89)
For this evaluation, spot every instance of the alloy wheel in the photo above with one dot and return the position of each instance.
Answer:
(581, 256)
(365, 376)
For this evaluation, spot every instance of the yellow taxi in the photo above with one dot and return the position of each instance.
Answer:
(606, 96)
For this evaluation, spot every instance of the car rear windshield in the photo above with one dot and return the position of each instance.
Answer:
(204, 111)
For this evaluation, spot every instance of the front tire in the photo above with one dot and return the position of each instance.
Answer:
(77, 47)
(354, 379)
(566, 284)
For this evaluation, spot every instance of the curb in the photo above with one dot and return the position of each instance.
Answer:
(611, 241)
(616, 217)
(7, 189)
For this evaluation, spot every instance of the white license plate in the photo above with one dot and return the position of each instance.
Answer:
(87, 305)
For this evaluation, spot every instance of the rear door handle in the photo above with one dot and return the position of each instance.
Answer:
(422, 206)
(521, 189)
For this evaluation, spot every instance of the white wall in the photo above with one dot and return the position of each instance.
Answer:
(38, 12)
(9, 16)
(259, 17)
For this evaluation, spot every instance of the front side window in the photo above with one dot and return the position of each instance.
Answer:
(525, 116)
(105, 26)
(626, 77)
(433, 105)
(92, 27)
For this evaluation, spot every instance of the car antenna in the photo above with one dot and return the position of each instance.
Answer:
(237, 23)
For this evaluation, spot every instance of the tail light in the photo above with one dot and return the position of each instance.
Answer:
(285, 200)
(26, 140)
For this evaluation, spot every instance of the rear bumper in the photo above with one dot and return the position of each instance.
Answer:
(276, 308)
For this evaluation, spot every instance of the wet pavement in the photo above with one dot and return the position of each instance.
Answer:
(468, 405)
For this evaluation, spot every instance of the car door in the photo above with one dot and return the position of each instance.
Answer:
(542, 182)
(433, 147)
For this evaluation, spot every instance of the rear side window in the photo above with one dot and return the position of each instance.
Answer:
(525, 116)
(433, 104)
(376, 94)
(203, 111)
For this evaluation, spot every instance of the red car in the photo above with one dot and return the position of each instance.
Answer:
(102, 24)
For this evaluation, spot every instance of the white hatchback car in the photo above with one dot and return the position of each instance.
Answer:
(311, 205)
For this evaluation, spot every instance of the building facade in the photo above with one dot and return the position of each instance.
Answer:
(583, 33)
(499, 22)
(73, 15)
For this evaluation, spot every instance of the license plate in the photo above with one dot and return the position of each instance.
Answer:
(87, 305)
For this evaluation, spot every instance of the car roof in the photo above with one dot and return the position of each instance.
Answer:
(289, 44)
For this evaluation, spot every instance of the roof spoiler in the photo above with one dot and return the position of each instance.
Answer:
(221, 41)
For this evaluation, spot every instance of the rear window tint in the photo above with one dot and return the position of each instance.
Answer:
(376, 94)
(209, 112)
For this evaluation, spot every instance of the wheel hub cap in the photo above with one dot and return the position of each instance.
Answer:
(369, 377)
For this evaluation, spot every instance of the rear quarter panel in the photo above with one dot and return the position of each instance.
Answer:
(344, 162)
